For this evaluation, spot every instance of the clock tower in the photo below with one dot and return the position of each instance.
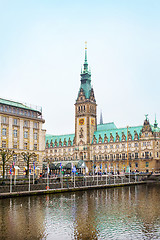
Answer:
(85, 112)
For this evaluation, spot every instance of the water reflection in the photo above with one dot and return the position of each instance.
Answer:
(119, 213)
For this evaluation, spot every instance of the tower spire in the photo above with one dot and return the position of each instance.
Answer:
(85, 60)
(85, 52)
(155, 122)
(101, 118)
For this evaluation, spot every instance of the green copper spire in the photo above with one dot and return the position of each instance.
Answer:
(155, 122)
(86, 76)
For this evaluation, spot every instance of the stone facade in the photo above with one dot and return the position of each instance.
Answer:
(21, 131)
(104, 147)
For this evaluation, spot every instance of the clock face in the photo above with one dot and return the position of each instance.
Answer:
(81, 121)
(92, 121)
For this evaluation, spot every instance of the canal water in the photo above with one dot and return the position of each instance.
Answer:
(116, 213)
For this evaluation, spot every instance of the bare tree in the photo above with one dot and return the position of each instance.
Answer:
(6, 155)
(28, 157)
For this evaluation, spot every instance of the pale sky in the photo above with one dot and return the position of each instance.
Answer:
(42, 50)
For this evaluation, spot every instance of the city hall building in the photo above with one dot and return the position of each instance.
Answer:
(103, 147)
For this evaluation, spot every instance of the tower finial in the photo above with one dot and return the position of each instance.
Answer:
(86, 52)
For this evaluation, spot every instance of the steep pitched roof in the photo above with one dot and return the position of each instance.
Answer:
(102, 131)
(50, 137)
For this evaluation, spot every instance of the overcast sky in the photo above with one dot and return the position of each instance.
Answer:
(42, 50)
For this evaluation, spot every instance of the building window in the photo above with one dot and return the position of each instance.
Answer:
(32, 114)
(123, 145)
(105, 146)
(25, 123)
(21, 112)
(146, 155)
(117, 146)
(25, 134)
(3, 144)
(14, 110)
(123, 156)
(15, 145)
(111, 157)
(136, 155)
(15, 133)
(25, 113)
(4, 131)
(144, 144)
(1, 108)
(10, 109)
(111, 146)
(35, 136)
(6, 109)
(146, 134)
(35, 146)
(136, 165)
(15, 121)
(25, 146)
(35, 125)
(129, 155)
(129, 145)
(29, 114)
(136, 144)
(117, 156)
(4, 120)
(147, 164)
(157, 154)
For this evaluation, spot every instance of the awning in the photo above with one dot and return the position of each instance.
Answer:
(52, 166)
(68, 166)
(81, 164)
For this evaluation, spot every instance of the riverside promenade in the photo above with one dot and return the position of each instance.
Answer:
(67, 184)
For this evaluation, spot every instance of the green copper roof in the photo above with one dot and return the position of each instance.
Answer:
(107, 131)
(106, 126)
(58, 138)
(16, 104)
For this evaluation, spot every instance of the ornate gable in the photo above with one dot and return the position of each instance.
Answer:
(100, 139)
(146, 129)
(111, 137)
(69, 142)
(129, 136)
(55, 143)
(51, 144)
(135, 135)
(123, 137)
(94, 140)
(60, 143)
(92, 97)
(81, 95)
(105, 138)
(117, 137)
